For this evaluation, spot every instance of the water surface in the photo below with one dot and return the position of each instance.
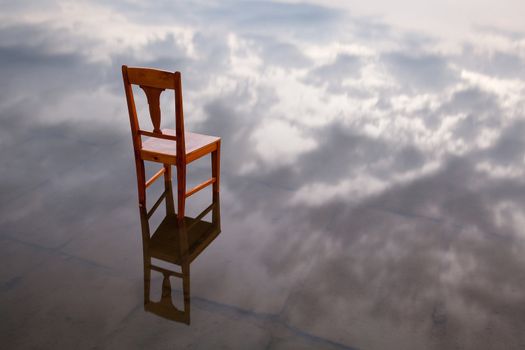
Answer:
(372, 188)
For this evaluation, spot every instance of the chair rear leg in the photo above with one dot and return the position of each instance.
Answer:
(216, 167)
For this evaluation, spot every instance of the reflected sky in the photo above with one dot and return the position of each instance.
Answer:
(372, 188)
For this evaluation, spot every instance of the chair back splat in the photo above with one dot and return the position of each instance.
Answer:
(153, 82)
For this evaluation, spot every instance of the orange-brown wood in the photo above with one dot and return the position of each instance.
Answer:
(197, 146)
(132, 110)
(216, 166)
(141, 178)
(155, 177)
(166, 146)
(151, 77)
(200, 186)
(181, 190)
(181, 149)
(153, 96)
(159, 136)
(170, 209)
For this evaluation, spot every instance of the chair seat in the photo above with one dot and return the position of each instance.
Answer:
(197, 145)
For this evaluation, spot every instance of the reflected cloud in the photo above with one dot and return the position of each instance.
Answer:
(372, 173)
(333, 75)
(447, 253)
(420, 72)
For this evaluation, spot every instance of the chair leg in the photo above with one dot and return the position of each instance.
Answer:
(216, 166)
(141, 181)
(216, 211)
(169, 190)
(185, 268)
(181, 191)
(186, 290)
(145, 253)
(147, 279)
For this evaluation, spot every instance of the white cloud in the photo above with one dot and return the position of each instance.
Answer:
(279, 142)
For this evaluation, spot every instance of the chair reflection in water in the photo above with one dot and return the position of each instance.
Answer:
(177, 244)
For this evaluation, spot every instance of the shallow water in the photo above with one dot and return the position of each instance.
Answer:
(372, 188)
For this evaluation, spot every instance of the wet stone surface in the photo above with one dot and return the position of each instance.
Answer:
(372, 179)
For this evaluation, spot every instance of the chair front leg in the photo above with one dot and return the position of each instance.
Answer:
(145, 252)
(181, 191)
(170, 205)
(141, 181)
(185, 268)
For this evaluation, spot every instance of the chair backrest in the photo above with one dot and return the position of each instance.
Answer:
(153, 82)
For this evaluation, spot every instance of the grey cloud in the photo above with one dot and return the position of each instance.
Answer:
(35, 68)
(279, 53)
(501, 64)
(409, 158)
(417, 41)
(228, 116)
(412, 229)
(471, 101)
(368, 29)
(343, 152)
(303, 20)
(340, 151)
(13, 6)
(505, 64)
(509, 149)
(306, 21)
(333, 74)
(481, 108)
(36, 77)
(422, 72)
(32, 67)
(354, 151)
(170, 56)
(511, 34)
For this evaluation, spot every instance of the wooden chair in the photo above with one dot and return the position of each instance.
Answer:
(166, 146)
